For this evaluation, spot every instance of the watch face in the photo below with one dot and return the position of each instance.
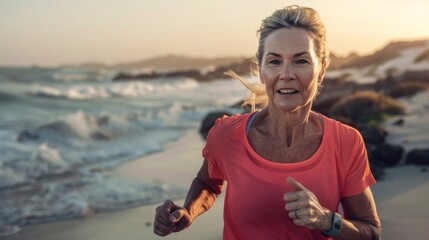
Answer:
(337, 224)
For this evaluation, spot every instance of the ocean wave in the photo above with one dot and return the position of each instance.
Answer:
(79, 75)
(81, 126)
(124, 89)
(81, 139)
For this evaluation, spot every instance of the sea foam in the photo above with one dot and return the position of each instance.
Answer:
(120, 89)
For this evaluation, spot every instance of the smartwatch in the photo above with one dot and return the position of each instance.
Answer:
(335, 226)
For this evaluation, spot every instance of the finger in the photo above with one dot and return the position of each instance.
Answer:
(295, 184)
(164, 220)
(177, 215)
(293, 214)
(168, 205)
(291, 206)
(163, 213)
(163, 216)
(300, 222)
(160, 226)
(291, 196)
(161, 233)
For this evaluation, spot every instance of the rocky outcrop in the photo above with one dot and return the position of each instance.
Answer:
(373, 134)
(416, 76)
(242, 68)
(387, 155)
(418, 157)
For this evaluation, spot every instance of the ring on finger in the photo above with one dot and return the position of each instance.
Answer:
(296, 213)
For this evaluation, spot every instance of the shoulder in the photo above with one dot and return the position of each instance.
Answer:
(227, 125)
(341, 131)
(224, 129)
(347, 142)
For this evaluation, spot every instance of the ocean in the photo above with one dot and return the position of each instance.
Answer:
(63, 130)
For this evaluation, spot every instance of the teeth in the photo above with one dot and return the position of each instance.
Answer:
(287, 91)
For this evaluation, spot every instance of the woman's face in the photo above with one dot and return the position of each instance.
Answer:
(290, 69)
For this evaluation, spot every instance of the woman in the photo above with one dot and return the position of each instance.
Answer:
(287, 168)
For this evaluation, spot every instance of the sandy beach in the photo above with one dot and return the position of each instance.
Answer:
(401, 198)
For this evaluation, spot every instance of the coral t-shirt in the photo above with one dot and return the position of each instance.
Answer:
(254, 206)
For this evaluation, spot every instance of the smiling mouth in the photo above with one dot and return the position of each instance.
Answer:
(287, 91)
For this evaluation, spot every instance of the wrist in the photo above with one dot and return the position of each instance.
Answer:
(327, 221)
(335, 226)
(189, 212)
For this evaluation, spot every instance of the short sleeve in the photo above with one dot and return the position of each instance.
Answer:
(212, 152)
(358, 176)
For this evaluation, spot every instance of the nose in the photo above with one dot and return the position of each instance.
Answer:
(287, 72)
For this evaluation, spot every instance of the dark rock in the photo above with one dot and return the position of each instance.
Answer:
(377, 167)
(370, 148)
(377, 171)
(101, 135)
(128, 76)
(407, 89)
(345, 120)
(416, 76)
(323, 105)
(374, 135)
(27, 136)
(387, 154)
(189, 74)
(399, 122)
(209, 121)
(418, 157)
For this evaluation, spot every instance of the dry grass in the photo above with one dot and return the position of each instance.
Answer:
(365, 106)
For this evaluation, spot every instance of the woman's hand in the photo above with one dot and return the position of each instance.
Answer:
(170, 218)
(304, 208)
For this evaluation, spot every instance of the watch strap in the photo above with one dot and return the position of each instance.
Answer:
(335, 226)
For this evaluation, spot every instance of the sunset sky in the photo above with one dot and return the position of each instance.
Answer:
(54, 32)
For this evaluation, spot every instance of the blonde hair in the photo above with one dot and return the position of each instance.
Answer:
(288, 17)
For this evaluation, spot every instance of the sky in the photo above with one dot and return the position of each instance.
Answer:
(56, 32)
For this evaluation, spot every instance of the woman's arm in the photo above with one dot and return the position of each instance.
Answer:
(201, 196)
(306, 211)
(203, 192)
(363, 221)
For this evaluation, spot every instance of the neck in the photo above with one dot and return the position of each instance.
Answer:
(289, 127)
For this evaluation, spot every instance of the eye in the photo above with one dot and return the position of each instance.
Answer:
(274, 62)
(302, 61)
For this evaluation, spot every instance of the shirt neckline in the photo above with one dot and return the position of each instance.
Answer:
(290, 166)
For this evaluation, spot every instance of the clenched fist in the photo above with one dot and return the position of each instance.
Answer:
(170, 218)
